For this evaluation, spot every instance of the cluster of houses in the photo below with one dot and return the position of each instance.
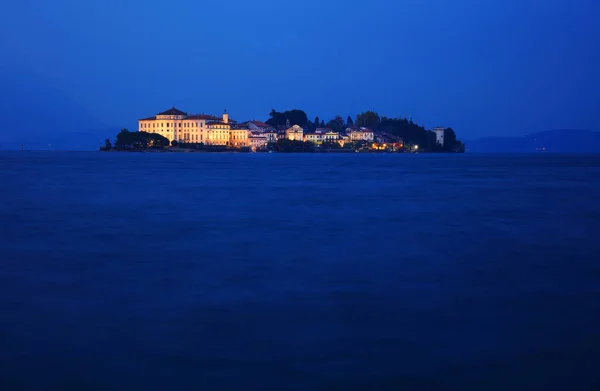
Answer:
(177, 125)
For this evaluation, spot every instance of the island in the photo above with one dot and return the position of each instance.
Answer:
(174, 130)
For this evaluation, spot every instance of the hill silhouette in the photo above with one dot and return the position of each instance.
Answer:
(561, 141)
(37, 115)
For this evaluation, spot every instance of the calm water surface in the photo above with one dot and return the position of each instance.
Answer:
(299, 272)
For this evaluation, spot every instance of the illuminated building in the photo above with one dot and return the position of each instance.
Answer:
(177, 125)
(439, 135)
(295, 133)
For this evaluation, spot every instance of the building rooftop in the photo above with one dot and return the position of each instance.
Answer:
(201, 116)
(259, 124)
(172, 111)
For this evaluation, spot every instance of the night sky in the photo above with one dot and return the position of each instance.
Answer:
(483, 67)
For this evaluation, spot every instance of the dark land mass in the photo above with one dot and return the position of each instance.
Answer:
(561, 141)
(43, 117)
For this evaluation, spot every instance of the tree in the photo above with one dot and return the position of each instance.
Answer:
(296, 117)
(449, 140)
(156, 140)
(330, 145)
(174, 143)
(402, 128)
(322, 123)
(310, 126)
(336, 124)
(136, 140)
(349, 122)
(126, 139)
(285, 145)
(107, 144)
(317, 122)
(368, 119)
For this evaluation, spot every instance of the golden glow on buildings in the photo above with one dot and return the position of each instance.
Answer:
(295, 133)
(177, 125)
(362, 134)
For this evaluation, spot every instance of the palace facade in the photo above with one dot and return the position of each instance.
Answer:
(177, 125)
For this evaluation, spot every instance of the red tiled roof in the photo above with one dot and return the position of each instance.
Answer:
(259, 124)
(172, 111)
(201, 116)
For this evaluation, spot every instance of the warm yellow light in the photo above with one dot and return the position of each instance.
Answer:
(416, 147)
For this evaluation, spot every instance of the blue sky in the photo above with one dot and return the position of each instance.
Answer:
(484, 67)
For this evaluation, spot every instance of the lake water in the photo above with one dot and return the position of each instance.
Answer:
(299, 272)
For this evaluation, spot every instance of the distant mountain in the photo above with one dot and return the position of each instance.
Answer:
(39, 116)
(564, 141)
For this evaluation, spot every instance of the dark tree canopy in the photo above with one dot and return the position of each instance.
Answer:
(451, 144)
(405, 128)
(336, 124)
(296, 117)
(402, 127)
(449, 140)
(135, 140)
(368, 119)
(330, 145)
(294, 146)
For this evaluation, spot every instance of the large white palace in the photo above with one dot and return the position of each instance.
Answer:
(177, 125)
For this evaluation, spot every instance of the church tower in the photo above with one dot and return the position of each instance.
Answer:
(225, 117)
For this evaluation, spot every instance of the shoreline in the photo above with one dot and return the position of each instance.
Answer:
(335, 151)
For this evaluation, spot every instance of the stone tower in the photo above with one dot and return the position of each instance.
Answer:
(439, 135)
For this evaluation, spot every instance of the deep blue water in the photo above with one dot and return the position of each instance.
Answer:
(299, 272)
